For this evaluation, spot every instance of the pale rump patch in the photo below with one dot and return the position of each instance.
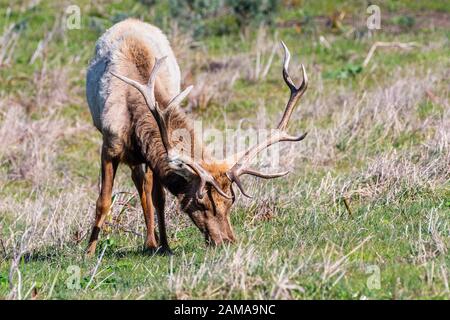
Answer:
(109, 57)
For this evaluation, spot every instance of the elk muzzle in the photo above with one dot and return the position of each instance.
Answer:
(217, 230)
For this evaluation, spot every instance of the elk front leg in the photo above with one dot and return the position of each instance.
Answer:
(143, 180)
(109, 168)
(159, 199)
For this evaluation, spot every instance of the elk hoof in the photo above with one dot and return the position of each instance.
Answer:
(166, 251)
(150, 250)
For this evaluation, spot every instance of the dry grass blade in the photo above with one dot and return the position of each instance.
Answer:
(380, 44)
(94, 272)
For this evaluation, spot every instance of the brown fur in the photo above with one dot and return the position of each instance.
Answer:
(139, 142)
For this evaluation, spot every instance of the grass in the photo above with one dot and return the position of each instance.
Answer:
(378, 139)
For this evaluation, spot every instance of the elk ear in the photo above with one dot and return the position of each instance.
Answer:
(183, 170)
(184, 166)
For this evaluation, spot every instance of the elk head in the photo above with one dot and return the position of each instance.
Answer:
(208, 193)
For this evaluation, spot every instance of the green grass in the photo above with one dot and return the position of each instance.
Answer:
(311, 247)
(130, 273)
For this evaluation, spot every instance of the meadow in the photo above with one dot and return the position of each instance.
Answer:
(364, 214)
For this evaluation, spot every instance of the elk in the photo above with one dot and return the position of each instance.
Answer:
(133, 93)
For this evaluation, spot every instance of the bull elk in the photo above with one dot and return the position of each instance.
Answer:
(133, 92)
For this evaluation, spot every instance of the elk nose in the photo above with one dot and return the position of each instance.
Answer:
(231, 241)
(228, 238)
(211, 241)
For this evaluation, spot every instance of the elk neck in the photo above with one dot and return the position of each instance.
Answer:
(147, 142)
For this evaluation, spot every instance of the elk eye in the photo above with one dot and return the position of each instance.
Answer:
(200, 201)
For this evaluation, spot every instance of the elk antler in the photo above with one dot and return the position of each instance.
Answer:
(176, 160)
(277, 135)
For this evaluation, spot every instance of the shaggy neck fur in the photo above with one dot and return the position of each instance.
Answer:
(148, 139)
(137, 61)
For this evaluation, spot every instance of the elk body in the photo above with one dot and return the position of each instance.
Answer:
(133, 92)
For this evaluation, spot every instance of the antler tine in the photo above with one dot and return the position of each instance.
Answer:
(140, 87)
(175, 102)
(152, 78)
(205, 177)
(147, 92)
(287, 59)
(278, 135)
(296, 93)
(234, 176)
(264, 175)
